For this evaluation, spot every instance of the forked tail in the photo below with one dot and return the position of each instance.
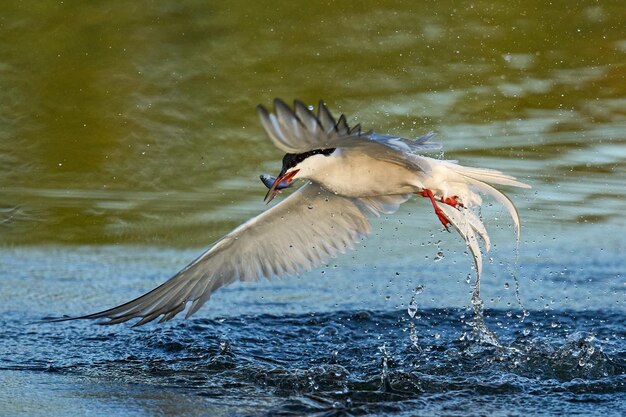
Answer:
(483, 178)
(465, 221)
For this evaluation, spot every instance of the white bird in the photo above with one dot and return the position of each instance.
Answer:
(349, 175)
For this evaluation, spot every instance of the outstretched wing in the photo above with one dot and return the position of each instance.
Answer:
(300, 130)
(303, 231)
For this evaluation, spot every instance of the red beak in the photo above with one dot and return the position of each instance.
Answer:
(288, 178)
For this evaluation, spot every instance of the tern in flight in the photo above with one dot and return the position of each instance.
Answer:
(350, 174)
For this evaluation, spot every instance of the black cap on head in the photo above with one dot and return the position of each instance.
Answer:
(290, 160)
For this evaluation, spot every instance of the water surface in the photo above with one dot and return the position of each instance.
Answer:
(129, 142)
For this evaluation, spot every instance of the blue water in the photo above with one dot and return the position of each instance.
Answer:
(337, 341)
(340, 363)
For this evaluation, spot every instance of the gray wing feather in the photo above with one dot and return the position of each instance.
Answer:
(308, 120)
(326, 119)
(300, 130)
(420, 144)
(303, 231)
(342, 126)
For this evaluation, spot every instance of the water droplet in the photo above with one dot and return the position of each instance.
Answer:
(439, 256)
(506, 286)
(412, 309)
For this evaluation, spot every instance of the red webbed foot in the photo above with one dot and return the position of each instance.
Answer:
(452, 201)
(442, 217)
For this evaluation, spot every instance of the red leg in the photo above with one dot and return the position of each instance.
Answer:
(442, 218)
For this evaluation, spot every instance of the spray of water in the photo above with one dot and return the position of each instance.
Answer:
(412, 311)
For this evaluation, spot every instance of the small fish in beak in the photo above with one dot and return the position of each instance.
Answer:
(268, 181)
(275, 184)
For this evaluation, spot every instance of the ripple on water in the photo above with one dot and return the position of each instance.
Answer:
(346, 362)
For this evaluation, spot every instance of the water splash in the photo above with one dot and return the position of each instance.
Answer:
(480, 332)
(518, 297)
(412, 311)
(580, 347)
(385, 383)
(511, 270)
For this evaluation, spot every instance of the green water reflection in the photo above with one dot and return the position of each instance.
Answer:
(135, 122)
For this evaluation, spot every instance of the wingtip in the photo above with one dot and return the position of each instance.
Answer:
(263, 113)
(279, 101)
(65, 318)
(299, 103)
(50, 319)
(280, 105)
